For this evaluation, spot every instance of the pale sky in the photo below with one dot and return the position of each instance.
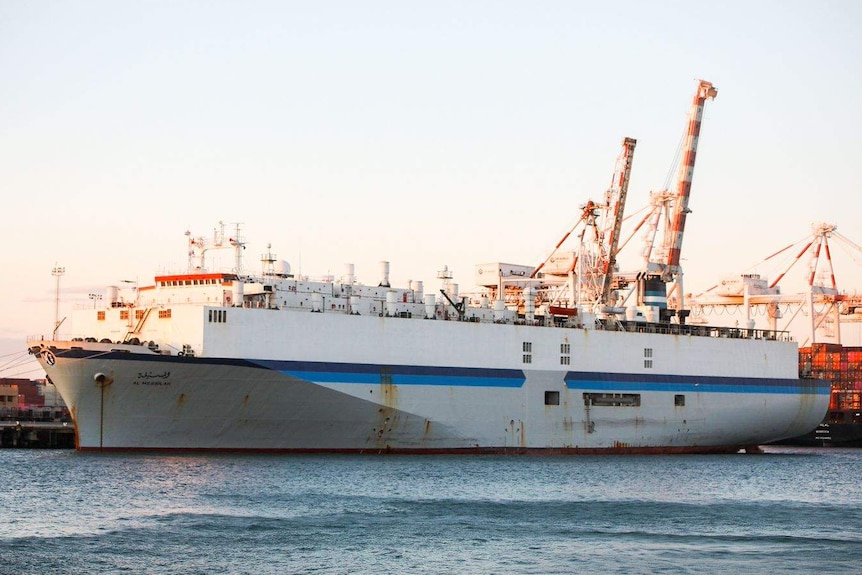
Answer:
(424, 134)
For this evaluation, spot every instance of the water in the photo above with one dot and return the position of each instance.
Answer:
(787, 511)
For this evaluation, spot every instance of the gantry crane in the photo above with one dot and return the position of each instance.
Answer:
(823, 304)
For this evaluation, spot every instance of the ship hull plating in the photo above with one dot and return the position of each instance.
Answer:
(126, 398)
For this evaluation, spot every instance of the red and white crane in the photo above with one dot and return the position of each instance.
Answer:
(616, 202)
(672, 243)
(825, 307)
(590, 267)
(668, 210)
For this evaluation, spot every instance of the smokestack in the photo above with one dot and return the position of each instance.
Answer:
(384, 274)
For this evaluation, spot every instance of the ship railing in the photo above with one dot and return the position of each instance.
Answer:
(695, 330)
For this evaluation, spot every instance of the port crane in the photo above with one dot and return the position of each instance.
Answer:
(824, 305)
(668, 210)
(588, 271)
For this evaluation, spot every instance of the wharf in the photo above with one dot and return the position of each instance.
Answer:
(33, 434)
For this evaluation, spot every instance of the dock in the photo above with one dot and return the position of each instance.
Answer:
(34, 434)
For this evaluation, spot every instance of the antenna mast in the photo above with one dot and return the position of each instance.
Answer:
(57, 272)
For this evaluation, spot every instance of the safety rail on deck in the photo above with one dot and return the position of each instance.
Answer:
(567, 322)
(695, 330)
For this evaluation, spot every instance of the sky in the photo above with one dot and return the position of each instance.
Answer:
(423, 134)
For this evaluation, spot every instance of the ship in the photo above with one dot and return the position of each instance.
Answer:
(218, 361)
(842, 367)
(547, 358)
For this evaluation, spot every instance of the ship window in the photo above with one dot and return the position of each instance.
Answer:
(100, 315)
(647, 352)
(124, 314)
(612, 399)
(648, 363)
(527, 347)
(164, 313)
(552, 398)
(565, 360)
(679, 400)
(218, 316)
(565, 348)
(528, 358)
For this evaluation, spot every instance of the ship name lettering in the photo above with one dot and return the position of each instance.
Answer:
(151, 382)
(151, 375)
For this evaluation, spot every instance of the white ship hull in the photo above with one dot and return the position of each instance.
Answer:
(326, 382)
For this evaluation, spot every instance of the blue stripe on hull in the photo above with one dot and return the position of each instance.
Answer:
(325, 372)
(407, 379)
(612, 382)
(782, 386)
(403, 370)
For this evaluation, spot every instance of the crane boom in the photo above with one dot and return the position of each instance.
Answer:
(616, 204)
(587, 213)
(673, 235)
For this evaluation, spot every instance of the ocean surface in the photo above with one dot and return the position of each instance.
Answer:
(789, 510)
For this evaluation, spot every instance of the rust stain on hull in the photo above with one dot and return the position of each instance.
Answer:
(73, 413)
(389, 394)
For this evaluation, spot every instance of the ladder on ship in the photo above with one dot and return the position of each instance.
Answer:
(139, 326)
